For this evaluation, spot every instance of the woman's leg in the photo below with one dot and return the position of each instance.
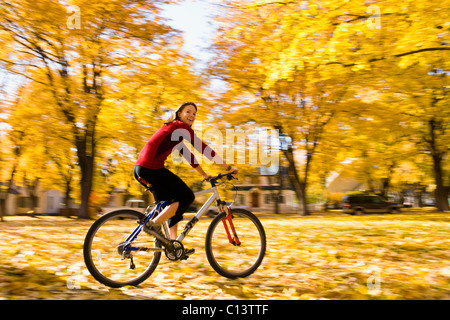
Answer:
(168, 186)
(173, 232)
(167, 213)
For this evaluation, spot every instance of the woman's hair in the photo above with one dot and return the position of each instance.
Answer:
(180, 108)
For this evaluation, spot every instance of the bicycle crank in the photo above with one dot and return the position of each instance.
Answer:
(174, 250)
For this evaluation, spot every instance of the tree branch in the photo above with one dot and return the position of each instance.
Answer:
(421, 50)
(395, 55)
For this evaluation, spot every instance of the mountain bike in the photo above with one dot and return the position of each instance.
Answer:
(120, 250)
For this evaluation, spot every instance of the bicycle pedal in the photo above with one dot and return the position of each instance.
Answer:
(187, 253)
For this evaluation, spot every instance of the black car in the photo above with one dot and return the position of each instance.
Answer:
(359, 204)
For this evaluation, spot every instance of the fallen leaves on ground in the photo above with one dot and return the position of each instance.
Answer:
(401, 256)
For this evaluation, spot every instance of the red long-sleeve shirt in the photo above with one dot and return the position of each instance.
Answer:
(168, 138)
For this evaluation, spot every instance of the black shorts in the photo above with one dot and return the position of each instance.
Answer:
(167, 186)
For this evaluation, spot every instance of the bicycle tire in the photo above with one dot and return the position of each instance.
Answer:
(209, 244)
(89, 261)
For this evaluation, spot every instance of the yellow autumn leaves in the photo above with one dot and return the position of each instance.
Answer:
(403, 256)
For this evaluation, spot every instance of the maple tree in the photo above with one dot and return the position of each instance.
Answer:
(424, 101)
(255, 46)
(9, 162)
(78, 63)
(36, 143)
(302, 63)
(409, 63)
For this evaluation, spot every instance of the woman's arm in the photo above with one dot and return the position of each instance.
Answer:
(202, 172)
(218, 160)
(207, 151)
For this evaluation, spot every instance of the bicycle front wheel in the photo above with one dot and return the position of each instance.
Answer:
(235, 260)
(104, 250)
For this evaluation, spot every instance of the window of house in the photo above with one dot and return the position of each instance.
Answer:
(24, 202)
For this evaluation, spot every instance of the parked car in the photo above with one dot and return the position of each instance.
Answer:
(359, 204)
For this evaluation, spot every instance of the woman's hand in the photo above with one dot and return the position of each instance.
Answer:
(230, 169)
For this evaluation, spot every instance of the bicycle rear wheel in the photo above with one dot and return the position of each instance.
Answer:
(232, 260)
(103, 250)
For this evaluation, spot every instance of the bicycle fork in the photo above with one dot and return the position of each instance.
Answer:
(228, 220)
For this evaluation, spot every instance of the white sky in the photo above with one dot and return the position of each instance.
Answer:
(193, 18)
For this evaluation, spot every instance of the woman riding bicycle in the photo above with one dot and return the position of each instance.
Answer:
(149, 168)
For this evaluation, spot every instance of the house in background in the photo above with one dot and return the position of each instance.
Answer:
(47, 201)
(117, 198)
(261, 190)
(343, 183)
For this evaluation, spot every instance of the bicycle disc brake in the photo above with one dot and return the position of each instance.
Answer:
(174, 250)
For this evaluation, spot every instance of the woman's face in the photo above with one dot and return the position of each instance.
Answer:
(187, 115)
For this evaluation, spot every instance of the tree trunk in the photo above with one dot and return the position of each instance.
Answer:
(86, 186)
(440, 192)
(3, 198)
(299, 185)
(441, 196)
(86, 144)
(17, 150)
(279, 191)
(86, 155)
(275, 194)
(68, 190)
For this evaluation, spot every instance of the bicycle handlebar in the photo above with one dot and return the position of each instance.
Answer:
(213, 180)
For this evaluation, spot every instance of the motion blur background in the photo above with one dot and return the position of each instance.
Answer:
(357, 90)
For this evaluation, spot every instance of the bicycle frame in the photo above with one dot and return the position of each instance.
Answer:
(221, 205)
(189, 225)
